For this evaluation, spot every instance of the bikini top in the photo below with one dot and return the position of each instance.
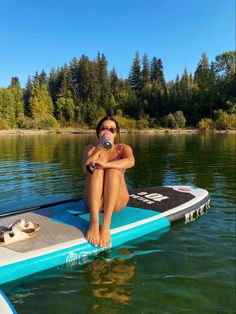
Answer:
(119, 150)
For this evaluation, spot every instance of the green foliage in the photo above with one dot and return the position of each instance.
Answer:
(82, 92)
(169, 121)
(146, 75)
(7, 107)
(125, 123)
(231, 106)
(40, 102)
(206, 124)
(224, 68)
(48, 122)
(205, 91)
(103, 81)
(4, 124)
(157, 74)
(115, 85)
(65, 109)
(18, 96)
(135, 77)
(224, 121)
(176, 120)
(21, 121)
(224, 65)
(179, 119)
(90, 114)
(142, 124)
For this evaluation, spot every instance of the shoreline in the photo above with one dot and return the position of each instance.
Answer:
(123, 131)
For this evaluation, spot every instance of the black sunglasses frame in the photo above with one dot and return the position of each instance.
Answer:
(112, 130)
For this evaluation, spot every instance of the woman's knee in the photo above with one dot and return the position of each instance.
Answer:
(124, 199)
(98, 174)
(111, 172)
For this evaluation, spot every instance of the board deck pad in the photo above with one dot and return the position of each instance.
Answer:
(166, 198)
(63, 227)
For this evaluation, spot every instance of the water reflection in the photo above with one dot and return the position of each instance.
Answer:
(110, 280)
(35, 169)
(44, 168)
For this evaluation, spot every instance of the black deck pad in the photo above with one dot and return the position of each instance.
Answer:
(158, 199)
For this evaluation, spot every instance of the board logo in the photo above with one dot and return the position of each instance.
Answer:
(148, 198)
(196, 213)
(71, 259)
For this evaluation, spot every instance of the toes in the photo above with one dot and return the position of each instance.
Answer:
(94, 242)
(104, 244)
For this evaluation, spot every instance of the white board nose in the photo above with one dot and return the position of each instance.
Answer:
(5, 305)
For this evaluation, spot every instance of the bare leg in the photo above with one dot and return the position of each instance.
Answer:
(116, 197)
(93, 197)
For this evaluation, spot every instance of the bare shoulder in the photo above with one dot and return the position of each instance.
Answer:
(127, 149)
(89, 149)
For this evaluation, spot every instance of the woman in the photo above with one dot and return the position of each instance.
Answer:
(105, 188)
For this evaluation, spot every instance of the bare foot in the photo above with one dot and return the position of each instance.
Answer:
(93, 234)
(105, 237)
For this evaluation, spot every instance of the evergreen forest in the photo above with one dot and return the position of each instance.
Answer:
(80, 93)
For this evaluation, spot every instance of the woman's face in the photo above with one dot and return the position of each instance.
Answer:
(109, 126)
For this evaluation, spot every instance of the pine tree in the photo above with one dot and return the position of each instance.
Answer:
(115, 87)
(53, 84)
(74, 66)
(15, 82)
(224, 69)
(185, 94)
(88, 81)
(204, 78)
(157, 73)
(135, 77)
(65, 81)
(145, 71)
(43, 78)
(18, 95)
(26, 95)
(103, 81)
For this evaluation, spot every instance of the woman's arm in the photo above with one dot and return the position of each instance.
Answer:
(126, 162)
(90, 154)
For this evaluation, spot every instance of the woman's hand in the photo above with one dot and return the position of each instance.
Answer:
(100, 164)
(90, 155)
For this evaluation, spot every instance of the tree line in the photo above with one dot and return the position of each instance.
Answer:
(80, 93)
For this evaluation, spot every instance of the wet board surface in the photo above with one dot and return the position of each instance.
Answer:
(61, 238)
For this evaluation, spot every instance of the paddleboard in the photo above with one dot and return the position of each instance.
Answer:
(5, 305)
(61, 238)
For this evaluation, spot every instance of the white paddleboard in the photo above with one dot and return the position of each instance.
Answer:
(5, 305)
(61, 238)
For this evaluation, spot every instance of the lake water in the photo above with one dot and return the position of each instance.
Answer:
(189, 269)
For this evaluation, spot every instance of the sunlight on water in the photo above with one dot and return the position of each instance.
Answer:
(189, 269)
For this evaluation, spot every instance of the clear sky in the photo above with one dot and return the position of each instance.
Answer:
(36, 35)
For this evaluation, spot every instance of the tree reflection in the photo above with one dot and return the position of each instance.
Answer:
(110, 280)
(49, 165)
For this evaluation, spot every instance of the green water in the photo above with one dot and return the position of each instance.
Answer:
(189, 269)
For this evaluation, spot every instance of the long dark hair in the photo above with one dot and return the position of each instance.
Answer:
(98, 128)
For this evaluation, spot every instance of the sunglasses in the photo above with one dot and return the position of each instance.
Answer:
(112, 130)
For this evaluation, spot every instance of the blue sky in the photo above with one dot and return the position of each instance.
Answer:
(36, 35)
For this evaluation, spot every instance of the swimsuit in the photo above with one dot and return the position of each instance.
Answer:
(119, 150)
